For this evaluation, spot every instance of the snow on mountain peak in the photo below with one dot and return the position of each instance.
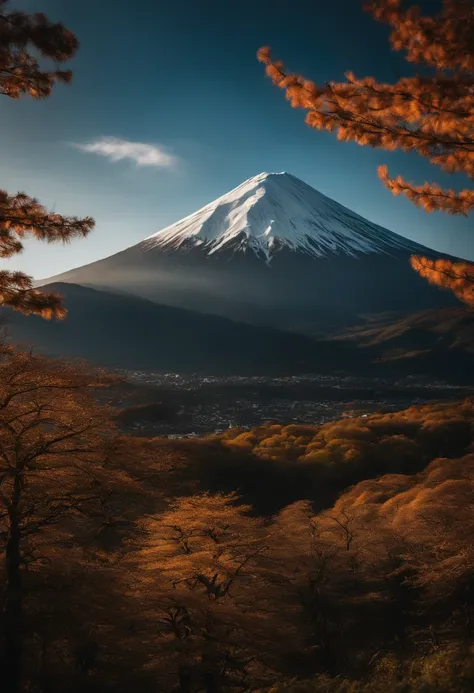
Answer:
(275, 210)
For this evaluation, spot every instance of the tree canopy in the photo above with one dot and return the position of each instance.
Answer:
(22, 38)
(430, 113)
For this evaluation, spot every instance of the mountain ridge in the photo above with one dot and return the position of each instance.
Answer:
(272, 252)
(117, 330)
(123, 331)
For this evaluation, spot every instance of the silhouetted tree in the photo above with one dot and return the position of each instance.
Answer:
(55, 477)
(22, 37)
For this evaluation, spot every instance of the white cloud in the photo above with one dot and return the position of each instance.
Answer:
(117, 149)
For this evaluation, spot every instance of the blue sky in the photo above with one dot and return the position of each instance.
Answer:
(181, 76)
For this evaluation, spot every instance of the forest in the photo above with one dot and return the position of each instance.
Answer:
(324, 558)
(294, 559)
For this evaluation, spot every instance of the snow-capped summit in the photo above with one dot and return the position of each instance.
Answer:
(274, 251)
(275, 210)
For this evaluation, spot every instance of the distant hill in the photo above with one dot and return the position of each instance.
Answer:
(273, 251)
(439, 342)
(124, 331)
(128, 332)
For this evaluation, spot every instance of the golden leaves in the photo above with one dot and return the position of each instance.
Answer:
(457, 277)
(442, 41)
(22, 216)
(430, 115)
(21, 35)
(30, 301)
(430, 196)
(263, 54)
(25, 216)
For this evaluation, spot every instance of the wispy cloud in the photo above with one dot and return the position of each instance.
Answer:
(117, 149)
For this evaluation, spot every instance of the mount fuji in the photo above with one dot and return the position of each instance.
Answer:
(274, 251)
(273, 211)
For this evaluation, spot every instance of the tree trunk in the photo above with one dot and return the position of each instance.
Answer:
(212, 682)
(210, 658)
(13, 635)
(184, 681)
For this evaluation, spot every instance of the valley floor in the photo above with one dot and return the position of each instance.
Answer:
(200, 405)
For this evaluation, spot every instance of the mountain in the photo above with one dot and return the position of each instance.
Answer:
(123, 331)
(446, 329)
(128, 332)
(273, 211)
(273, 251)
(438, 342)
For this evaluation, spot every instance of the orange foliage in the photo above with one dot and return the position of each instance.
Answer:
(199, 591)
(20, 71)
(457, 277)
(200, 577)
(350, 448)
(22, 36)
(55, 452)
(431, 513)
(431, 115)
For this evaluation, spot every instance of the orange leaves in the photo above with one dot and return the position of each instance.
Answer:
(430, 115)
(263, 54)
(429, 196)
(457, 277)
(22, 216)
(25, 216)
(442, 41)
(20, 71)
(301, 93)
(17, 292)
(413, 114)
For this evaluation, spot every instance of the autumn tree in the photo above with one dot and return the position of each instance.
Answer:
(200, 578)
(22, 38)
(323, 561)
(82, 632)
(431, 113)
(436, 521)
(58, 480)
